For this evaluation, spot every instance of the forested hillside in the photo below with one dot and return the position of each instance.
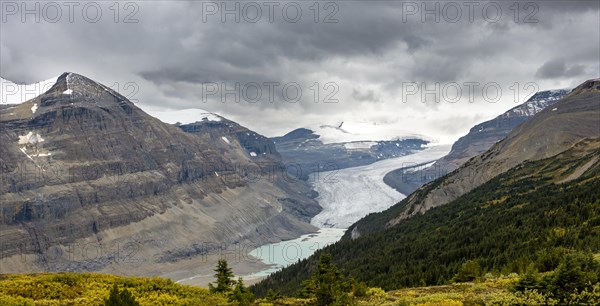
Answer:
(527, 218)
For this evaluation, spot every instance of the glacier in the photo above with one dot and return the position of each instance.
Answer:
(349, 194)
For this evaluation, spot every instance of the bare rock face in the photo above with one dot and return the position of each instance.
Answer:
(81, 165)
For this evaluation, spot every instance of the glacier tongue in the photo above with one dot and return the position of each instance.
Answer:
(349, 194)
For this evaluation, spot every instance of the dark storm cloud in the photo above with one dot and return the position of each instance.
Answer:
(230, 51)
(557, 68)
(372, 50)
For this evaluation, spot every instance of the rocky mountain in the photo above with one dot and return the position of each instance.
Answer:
(479, 139)
(332, 147)
(90, 182)
(256, 159)
(553, 130)
(256, 147)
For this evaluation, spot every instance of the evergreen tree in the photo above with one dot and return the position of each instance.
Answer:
(241, 294)
(118, 297)
(469, 271)
(575, 273)
(224, 277)
(529, 281)
(272, 296)
(328, 282)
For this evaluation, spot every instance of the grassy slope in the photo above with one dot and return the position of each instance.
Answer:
(88, 289)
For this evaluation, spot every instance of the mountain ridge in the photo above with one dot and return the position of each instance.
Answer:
(551, 131)
(479, 138)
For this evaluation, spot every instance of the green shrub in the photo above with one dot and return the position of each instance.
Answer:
(118, 297)
(469, 271)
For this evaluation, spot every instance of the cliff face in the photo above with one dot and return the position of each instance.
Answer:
(479, 139)
(82, 165)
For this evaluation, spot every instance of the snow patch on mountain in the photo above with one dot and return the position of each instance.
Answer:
(30, 138)
(183, 116)
(12, 93)
(32, 141)
(24, 150)
(34, 108)
(349, 194)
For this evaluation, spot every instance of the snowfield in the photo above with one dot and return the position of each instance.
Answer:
(349, 194)
(359, 145)
(362, 133)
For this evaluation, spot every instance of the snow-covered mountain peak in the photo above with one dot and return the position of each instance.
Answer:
(536, 103)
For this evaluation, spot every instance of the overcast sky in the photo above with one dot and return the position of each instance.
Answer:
(367, 55)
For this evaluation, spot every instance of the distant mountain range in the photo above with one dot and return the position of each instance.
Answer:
(334, 147)
(479, 139)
